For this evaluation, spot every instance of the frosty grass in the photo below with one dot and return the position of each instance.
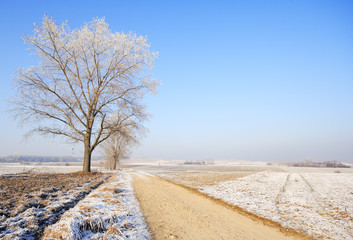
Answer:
(317, 204)
(110, 212)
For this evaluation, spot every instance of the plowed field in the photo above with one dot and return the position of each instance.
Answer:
(29, 202)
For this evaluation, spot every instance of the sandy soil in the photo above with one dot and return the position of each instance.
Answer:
(173, 212)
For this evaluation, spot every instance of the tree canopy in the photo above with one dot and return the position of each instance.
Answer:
(83, 78)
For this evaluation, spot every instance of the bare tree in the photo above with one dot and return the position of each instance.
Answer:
(119, 144)
(116, 147)
(84, 76)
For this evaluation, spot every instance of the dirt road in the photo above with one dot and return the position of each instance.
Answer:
(173, 212)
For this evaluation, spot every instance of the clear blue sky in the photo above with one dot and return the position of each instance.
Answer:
(253, 80)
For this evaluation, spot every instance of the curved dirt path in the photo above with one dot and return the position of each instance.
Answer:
(173, 212)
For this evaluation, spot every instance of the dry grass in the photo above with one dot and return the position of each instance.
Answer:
(104, 214)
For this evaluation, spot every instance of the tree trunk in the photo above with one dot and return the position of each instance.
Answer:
(87, 157)
(111, 163)
(115, 160)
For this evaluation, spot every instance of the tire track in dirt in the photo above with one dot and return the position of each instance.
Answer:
(279, 197)
(307, 183)
(172, 212)
(322, 200)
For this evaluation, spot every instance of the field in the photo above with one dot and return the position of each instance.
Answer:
(109, 212)
(38, 202)
(68, 205)
(29, 202)
(312, 201)
(13, 168)
(319, 205)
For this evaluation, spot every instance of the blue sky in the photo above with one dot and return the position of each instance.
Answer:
(252, 80)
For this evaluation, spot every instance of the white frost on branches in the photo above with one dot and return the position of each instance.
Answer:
(85, 75)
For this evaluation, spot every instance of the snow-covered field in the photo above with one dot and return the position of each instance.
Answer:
(30, 202)
(109, 212)
(14, 168)
(65, 211)
(317, 204)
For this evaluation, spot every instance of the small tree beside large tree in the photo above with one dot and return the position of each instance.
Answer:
(84, 78)
(119, 144)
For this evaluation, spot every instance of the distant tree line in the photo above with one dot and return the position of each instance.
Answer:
(20, 159)
(202, 162)
(326, 164)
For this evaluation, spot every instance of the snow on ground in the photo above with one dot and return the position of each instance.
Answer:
(317, 204)
(25, 218)
(109, 212)
(14, 168)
